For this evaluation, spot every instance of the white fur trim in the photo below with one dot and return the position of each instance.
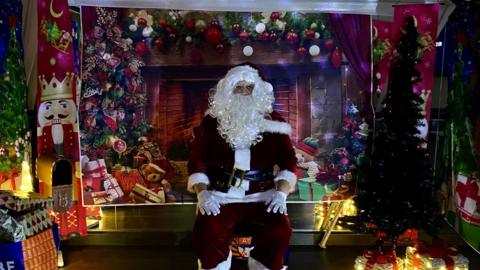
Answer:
(288, 176)
(225, 265)
(277, 127)
(242, 159)
(255, 265)
(196, 178)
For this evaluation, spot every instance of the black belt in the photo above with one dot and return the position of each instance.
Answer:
(222, 180)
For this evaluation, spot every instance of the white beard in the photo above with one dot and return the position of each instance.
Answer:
(241, 123)
(57, 134)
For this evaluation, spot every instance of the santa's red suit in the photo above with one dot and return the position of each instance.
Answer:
(210, 158)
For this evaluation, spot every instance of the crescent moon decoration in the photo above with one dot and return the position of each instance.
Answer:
(53, 13)
(375, 33)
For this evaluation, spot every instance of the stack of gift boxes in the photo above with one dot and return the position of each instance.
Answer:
(26, 229)
(124, 185)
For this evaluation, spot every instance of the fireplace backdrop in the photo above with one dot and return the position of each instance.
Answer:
(143, 93)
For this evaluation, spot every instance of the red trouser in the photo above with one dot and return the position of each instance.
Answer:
(212, 234)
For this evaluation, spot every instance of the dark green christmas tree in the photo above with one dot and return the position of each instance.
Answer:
(398, 193)
(14, 132)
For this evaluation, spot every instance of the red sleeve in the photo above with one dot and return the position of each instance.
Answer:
(198, 151)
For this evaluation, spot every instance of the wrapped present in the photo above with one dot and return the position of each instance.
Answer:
(115, 192)
(35, 222)
(20, 201)
(141, 194)
(434, 257)
(127, 180)
(95, 169)
(329, 176)
(36, 252)
(10, 229)
(468, 198)
(92, 184)
(99, 197)
(378, 260)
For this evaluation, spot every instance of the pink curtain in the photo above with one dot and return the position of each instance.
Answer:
(353, 35)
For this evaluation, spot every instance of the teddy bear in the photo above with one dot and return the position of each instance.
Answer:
(154, 177)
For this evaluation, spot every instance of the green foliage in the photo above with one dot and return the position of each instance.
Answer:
(14, 133)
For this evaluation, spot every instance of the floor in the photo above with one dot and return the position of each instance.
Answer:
(174, 258)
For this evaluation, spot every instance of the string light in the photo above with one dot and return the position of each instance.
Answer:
(26, 184)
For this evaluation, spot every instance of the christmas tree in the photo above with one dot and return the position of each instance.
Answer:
(458, 145)
(350, 142)
(113, 97)
(398, 193)
(14, 132)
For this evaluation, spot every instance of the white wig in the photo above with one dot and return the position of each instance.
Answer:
(241, 118)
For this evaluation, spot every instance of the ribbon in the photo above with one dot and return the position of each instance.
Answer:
(10, 176)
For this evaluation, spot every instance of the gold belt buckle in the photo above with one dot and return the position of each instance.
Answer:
(232, 175)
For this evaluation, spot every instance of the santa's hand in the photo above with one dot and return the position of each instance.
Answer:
(277, 203)
(208, 203)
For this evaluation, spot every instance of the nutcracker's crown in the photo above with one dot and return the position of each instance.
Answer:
(56, 89)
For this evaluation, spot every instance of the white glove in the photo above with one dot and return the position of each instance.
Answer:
(208, 203)
(277, 203)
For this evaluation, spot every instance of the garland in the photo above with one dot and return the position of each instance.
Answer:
(304, 32)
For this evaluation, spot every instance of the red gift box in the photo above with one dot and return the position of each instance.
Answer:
(127, 180)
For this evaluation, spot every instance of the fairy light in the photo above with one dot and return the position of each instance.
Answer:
(26, 184)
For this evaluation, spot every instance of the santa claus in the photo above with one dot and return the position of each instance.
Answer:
(241, 168)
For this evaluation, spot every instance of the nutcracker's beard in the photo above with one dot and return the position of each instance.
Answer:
(241, 119)
(57, 137)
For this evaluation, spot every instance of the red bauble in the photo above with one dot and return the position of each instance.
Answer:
(292, 37)
(244, 36)
(190, 24)
(236, 28)
(213, 35)
(142, 22)
(302, 51)
(310, 34)
(168, 29)
(273, 36)
(265, 36)
(275, 16)
(159, 43)
(162, 22)
(336, 57)
(220, 48)
(140, 48)
(329, 43)
(172, 37)
(119, 146)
